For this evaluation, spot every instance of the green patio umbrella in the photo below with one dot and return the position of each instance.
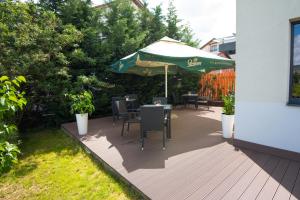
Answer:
(166, 56)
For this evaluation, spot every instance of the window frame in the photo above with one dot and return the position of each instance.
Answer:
(214, 48)
(292, 101)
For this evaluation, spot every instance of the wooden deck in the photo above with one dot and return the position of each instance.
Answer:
(197, 164)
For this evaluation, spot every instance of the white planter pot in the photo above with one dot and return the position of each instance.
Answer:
(82, 123)
(227, 125)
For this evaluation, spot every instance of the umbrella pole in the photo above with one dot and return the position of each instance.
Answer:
(166, 81)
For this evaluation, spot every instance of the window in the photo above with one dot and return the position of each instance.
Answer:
(294, 97)
(213, 48)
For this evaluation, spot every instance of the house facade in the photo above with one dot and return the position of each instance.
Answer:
(222, 46)
(268, 74)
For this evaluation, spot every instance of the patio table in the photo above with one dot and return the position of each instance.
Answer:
(131, 103)
(168, 112)
(189, 98)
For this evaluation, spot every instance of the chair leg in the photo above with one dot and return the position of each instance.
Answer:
(169, 128)
(164, 139)
(122, 133)
(128, 125)
(143, 140)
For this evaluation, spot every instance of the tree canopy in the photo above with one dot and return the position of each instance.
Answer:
(66, 45)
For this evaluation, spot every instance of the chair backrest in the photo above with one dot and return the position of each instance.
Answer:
(192, 92)
(121, 106)
(131, 96)
(152, 118)
(175, 98)
(113, 104)
(160, 100)
(203, 98)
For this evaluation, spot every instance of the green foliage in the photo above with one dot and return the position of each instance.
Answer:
(173, 29)
(157, 28)
(82, 103)
(229, 104)
(10, 98)
(152, 23)
(11, 101)
(34, 42)
(67, 45)
(53, 5)
(8, 156)
(92, 82)
(187, 36)
(123, 32)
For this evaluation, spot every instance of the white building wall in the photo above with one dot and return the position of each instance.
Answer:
(263, 64)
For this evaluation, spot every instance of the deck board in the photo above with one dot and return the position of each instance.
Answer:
(203, 191)
(271, 186)
(260, 180)
(295, 194)
(191, 180)
(231, 180)
(236, 191)
(197, 164)
(287, 184)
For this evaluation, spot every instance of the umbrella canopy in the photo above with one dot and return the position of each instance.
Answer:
(153, 59)
(166, 56)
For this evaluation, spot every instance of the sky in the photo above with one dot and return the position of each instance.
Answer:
(207, 18)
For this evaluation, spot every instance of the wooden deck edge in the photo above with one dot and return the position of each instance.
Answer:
(104, 164)
(267, 149)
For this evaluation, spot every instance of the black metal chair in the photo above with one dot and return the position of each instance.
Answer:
(175, 99)
(132, 101)
(160, 100)
(202, 100)
(131, 96)
(114, 108)
(190, 100)
(153, 119)
(128, 116)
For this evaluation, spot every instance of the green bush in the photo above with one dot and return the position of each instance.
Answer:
(229, 102)
(8, 156)
(34, 42)
(82, 103)
(11, 101)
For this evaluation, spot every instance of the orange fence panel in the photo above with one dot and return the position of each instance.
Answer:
(217, 83)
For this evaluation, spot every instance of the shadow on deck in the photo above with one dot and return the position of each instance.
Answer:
(197, 164)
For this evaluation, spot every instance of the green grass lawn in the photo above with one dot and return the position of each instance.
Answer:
(53, 166)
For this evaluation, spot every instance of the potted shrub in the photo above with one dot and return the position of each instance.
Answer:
(82, 106)
(228, 115)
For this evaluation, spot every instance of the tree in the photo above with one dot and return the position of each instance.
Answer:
(187, 36)
(173, 28)
(35, 43)
(67, 45)
(178, 31)
(52, 5)
(123, 32)
(145, 17)
(157, 28)
(78, 13)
